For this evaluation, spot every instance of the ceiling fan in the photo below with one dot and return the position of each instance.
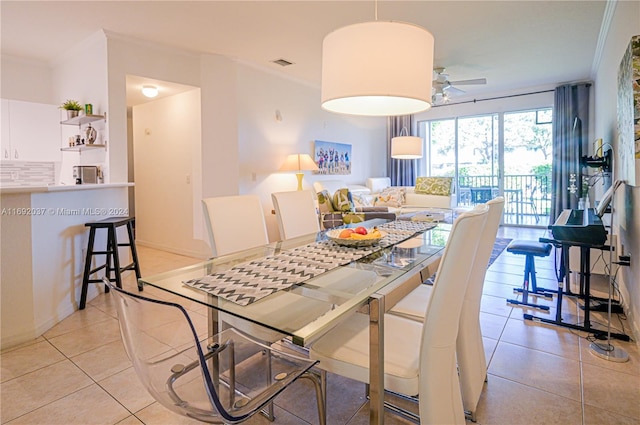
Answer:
(443, 89)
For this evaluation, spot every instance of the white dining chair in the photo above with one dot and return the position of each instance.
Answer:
(419, 358)
(470, 347)
(296, 213)
(234, 223)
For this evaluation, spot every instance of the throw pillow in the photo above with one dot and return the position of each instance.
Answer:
(324, 202)
(391, 197)
(360, 200)
(342, 200)
(434, 185)
(350, 218)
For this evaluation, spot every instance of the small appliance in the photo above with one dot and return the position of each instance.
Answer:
(85, 174)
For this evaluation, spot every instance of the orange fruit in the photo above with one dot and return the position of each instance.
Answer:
(345, 234)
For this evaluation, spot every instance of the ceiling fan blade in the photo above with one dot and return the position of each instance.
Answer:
(452, 91)
(469, 82)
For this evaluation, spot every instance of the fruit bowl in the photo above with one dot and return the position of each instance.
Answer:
(333, 235)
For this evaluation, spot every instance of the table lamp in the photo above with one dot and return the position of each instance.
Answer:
(299, 162)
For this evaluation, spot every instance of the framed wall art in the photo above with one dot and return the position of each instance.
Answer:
(629, 113)
(332, 158)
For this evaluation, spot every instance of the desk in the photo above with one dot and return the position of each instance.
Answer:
(306, 311)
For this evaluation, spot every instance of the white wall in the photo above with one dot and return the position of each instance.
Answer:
(26, 80)
(626, 219)
(167, 142)
(264, 142)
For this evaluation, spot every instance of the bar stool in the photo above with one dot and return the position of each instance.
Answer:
(112, 263)
(530, 249)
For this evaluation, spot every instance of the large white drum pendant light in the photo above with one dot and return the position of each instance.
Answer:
(378, 68)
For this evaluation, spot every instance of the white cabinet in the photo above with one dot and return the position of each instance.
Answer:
(30, 131)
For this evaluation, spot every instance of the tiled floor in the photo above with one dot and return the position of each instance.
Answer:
(78, 372)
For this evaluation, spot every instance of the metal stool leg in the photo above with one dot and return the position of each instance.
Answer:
(529, 277)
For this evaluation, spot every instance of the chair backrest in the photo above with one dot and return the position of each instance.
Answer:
(296, 213)
(469, 346)
(171, 356)
(483, 254)
(234, 223)
(440, 399)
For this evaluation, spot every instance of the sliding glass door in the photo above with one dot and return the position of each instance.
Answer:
(506, 154)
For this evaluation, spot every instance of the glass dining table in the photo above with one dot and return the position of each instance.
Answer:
(323, 291)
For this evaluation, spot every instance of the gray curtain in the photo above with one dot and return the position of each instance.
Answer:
(401, 171)
(570, 142)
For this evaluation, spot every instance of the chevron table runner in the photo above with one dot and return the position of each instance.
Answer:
(249, 282)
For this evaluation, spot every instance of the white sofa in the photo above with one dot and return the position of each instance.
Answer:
(332, 185)
(412, 199)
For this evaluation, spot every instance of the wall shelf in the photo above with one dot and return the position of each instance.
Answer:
(81, 148)
(84, 119)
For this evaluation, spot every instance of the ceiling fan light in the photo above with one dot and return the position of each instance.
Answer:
(150, 91)
(377, 69)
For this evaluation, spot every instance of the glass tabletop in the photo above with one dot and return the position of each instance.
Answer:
(307, 310)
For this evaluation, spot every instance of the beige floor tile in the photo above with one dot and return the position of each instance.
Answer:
(156, 414)
(542, 337)
(495, 305)
(130, 420)
(90, 316)
(632, 366)
(27, 359)
(489, 348)
(125, 387)
(506, 402)
(91, 405)
(28, 392)
(537, 369)
(103, 361)
(24, 344)
(86, 339)
(610, 390)
(597, 416)
(492, 325)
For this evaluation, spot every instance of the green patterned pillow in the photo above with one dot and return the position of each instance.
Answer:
(434, 185)
(324, 202)
(350, 218)
(342, 200)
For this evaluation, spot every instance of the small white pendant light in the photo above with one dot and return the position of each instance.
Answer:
(378, 68)
(406, 147)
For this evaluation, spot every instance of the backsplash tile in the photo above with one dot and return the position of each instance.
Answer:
(18, 173)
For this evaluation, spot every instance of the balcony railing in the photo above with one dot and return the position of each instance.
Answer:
(527, 196)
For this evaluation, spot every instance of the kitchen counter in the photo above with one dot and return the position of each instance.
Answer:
(43, 243)
(60, 187)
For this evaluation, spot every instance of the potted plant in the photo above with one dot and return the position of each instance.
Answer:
(72, 107)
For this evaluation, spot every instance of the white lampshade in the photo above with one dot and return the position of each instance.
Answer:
(298, 162)
(406, 147)
(377, 68)
(150, 91)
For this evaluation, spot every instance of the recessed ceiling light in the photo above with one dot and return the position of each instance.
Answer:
(150, 91)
